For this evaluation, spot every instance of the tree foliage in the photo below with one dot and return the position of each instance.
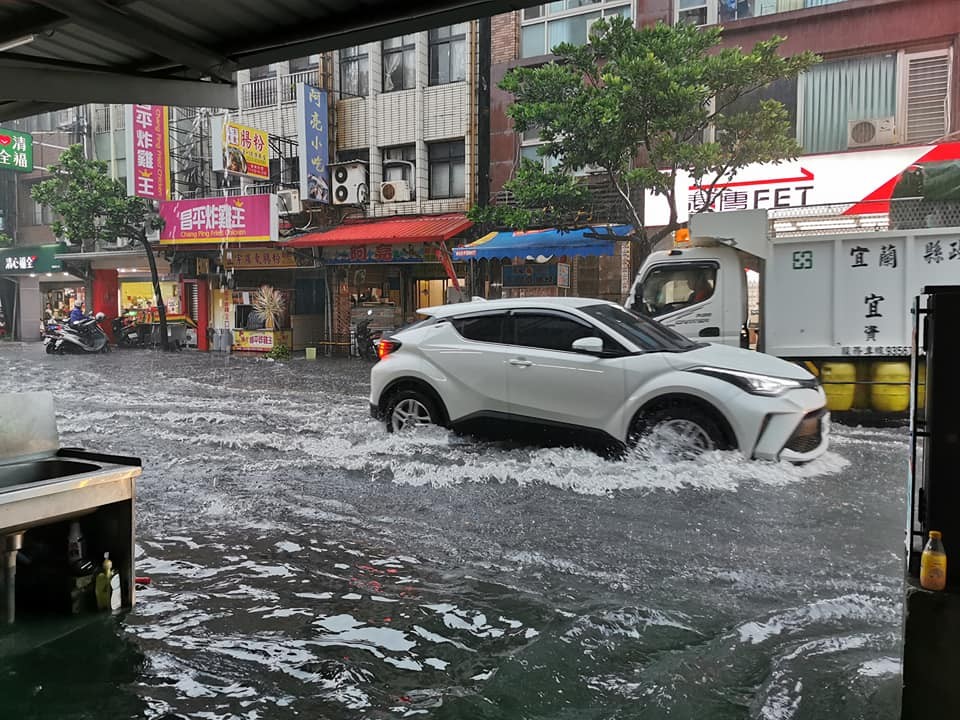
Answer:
(637, 104)
(91, 207)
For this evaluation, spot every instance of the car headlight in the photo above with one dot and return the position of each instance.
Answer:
(754, 383)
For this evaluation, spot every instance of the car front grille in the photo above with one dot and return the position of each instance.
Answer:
(809, 433)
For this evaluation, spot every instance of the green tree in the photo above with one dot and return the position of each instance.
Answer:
(93, 209)
(638, 105)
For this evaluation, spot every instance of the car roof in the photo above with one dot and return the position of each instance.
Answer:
(480, 305)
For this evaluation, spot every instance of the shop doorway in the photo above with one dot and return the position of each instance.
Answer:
(429, 293)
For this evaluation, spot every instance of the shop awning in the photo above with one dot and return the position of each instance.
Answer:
(414, 229)
(595, 240)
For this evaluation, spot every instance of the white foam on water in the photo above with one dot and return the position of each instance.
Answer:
(288, 546)
(881, 667)
(830, 611)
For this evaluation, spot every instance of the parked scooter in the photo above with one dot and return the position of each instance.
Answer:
(126, 333)
(367, 340)
(83, 336)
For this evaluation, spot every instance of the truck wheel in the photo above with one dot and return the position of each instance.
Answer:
(682, 431)
(410, 408)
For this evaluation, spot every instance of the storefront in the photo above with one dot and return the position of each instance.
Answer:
(585, 262)
(34, 282)
(385, 270)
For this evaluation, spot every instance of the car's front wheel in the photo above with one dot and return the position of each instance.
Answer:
(410, 408)
(680, 431)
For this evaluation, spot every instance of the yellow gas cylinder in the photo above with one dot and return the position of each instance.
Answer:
(890, 397)
(838, 380)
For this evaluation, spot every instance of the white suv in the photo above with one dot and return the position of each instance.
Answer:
(590, 365)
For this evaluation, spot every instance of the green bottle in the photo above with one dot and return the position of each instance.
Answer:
(103, 588)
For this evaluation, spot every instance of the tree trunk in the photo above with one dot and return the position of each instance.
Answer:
(155, 277)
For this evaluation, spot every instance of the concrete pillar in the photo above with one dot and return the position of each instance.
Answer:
(931, 648)
(29, 308)
(104, 298)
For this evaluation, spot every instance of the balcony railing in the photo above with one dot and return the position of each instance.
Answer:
(277, 90)
(102, 121)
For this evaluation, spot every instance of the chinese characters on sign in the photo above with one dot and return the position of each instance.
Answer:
(24, 262)
(253, 259)
(246, 151)
(16, 151)
(312, 134)
(933, 251)
(247, 218)
(148, 152)
(395, 253)
(751, 195)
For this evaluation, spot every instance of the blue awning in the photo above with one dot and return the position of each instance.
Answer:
(594, 240)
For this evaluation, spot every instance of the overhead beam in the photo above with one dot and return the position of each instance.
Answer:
(82, 87)
(345, 30)
(140, 32)
(17, 109)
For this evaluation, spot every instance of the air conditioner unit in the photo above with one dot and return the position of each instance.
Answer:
(394, 191)
(871, 132)
(288, 201)
(349, 183)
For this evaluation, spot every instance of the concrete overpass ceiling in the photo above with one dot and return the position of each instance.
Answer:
(60, 53)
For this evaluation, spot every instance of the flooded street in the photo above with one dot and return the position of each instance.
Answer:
(305, 563)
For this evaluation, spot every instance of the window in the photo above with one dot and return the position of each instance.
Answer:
(927, 96)
(399, 63)
(303, 64)
(546, 26)
(354, 72)
(711, 12)
(643, 332)
(550, 331)
(668, 288)
(262, 73)
(784, 90)
(482, 328)
(834, 93)
(448, 54)
(362, 155)
(529, 150)
(399, 163)
(447, 162)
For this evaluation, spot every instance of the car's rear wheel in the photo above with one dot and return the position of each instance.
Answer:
(681, 431)
(410, 408)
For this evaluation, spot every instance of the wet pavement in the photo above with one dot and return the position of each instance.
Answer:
(304, 563)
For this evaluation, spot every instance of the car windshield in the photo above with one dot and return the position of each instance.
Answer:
(647, 333)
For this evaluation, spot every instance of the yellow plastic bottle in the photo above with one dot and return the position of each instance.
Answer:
(103, 583)
(933, 563)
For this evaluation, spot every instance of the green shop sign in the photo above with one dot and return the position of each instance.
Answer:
(30, 260)
(16, 151)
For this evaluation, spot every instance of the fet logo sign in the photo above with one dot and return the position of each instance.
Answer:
(764, 193)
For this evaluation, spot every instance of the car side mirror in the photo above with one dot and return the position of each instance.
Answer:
(590, 345)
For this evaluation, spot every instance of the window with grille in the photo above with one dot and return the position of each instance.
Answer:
(399, 63)
(926, 95)
(448, 54)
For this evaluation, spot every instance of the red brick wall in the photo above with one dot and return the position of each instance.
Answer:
(505, 37)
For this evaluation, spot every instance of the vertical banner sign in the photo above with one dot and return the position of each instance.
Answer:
(246, 151)
(16, 151)
(312, 114)
(148, 152)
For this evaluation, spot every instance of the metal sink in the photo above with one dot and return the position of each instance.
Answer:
(40, 470)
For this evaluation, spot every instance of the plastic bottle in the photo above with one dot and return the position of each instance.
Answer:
(933, 563)
(75, 549)
(103, 583)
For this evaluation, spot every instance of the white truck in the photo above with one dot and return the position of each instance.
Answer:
(834, 294)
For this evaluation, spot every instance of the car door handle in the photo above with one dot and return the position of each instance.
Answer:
(517, 362)
(710, 332)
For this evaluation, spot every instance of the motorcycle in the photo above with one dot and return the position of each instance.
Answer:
(84, 336)
(126, 333)
(367, 340)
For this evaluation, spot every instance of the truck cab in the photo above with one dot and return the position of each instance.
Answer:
(700, 291)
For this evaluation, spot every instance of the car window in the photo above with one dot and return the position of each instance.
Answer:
(552, 331)
(668, 288)
(646, 333)
(482, 328)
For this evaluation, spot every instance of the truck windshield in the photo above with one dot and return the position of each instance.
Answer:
(647, 334)
(668, 288)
